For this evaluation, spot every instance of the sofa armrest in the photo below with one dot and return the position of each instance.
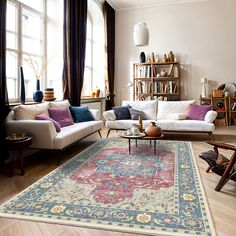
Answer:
(96, 113)
(109, 115)
(43, 132)
(210, 116)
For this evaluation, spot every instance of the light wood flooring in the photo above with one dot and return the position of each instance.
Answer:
(222, 204)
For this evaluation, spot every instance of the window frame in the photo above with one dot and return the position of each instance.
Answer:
(20, 7)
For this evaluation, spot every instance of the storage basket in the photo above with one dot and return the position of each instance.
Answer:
(217, 93)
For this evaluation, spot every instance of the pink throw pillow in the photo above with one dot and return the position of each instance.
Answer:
(61, 115)
(44, 117)
(197, 112)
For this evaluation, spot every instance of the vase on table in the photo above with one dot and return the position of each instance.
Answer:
(38, 94)
(153, 130)
(22, 86)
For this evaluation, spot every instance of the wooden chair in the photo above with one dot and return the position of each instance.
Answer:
(229, 169)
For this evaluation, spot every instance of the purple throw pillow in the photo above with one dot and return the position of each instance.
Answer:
(197, 112)
(44, 117)
(61, 115)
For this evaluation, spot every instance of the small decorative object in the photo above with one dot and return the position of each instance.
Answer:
(153, 130)
(153, 57)
(49, 94)
(135, 130)
(140, 121)
(171, 57)
(142, 57)
(220, 104)
(38, 94)
(128, 132)
(164, 59)
(163, 73)
(203, 82)
(226, 93)
(97, 92)
(22, 86)
(93, 94)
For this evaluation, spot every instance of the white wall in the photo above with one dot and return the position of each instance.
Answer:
(201, 34)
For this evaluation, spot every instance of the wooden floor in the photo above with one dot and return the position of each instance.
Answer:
(222, 204)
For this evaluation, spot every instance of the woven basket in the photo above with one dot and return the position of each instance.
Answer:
(217, 93)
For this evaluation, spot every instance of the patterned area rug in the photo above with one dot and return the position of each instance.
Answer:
(105, 187)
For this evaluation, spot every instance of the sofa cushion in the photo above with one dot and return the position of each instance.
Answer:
(57, 104)
(177, 116)
(109, 115)
(135, 113)
(44, 117)
(197, 112)
(186, 125)
(149, 108)
(122, 112)
(210, 116)
(81, 114)
(29, 112)
(61, 115)
(166, 108)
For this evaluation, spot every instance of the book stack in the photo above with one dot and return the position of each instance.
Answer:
(49, 94)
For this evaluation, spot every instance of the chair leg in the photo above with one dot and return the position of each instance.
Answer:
(226, 176)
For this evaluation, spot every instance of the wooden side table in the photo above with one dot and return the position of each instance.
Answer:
(16, 147)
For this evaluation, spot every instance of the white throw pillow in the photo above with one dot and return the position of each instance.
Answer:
(177, 116)
(59, 104)
(29, 112)
(149, 108)
(109, 115)
(166, 108)
(210, 116)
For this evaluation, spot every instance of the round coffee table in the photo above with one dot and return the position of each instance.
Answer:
(16, 145)
(141, 136)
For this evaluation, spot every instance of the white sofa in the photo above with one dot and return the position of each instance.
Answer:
(44, 135)
(169, 115)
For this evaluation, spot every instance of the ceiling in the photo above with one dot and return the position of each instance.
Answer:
(129, 4)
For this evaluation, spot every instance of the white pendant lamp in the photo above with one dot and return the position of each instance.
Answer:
(141, 34)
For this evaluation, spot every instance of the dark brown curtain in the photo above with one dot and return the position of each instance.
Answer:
(75, 23)
(109, 16)
(4, 104)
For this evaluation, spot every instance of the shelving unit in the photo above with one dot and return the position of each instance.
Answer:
(214, 102)
(232, 109)
(150, 82)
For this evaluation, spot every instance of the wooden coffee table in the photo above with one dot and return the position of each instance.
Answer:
(142, 136)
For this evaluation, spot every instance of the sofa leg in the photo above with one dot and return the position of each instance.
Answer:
(212, 136)
(108, 133)
(59, 154)
(99, 133)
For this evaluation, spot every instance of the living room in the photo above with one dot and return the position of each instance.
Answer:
(198, 32)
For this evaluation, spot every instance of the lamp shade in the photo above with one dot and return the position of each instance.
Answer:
(141, 34)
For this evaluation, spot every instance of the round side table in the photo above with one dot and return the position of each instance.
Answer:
(16, 147)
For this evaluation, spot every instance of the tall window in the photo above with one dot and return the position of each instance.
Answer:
(25, 43)
(34, 35)
(94, 58)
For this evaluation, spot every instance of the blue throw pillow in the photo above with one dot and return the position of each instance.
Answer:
(81, 114)
(122, 112)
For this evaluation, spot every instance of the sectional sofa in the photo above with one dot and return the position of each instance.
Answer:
(171, 116)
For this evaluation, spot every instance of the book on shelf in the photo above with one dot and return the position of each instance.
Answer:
(233, 106)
